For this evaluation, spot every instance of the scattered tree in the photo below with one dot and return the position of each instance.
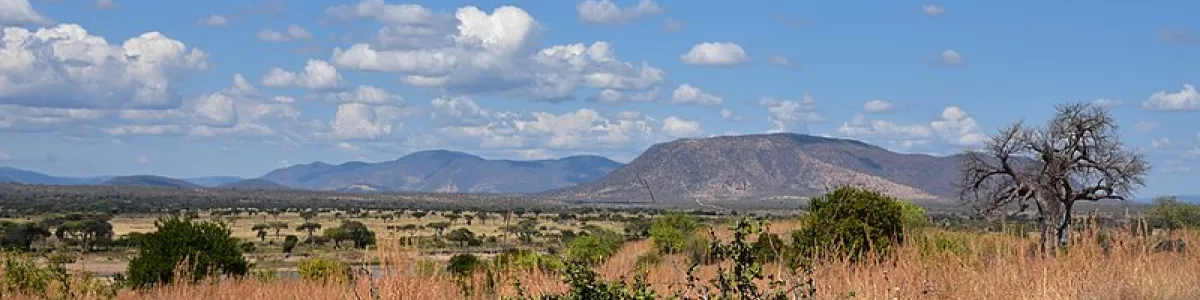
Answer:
(206, 247)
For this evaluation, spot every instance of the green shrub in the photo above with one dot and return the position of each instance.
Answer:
(1169, 212)
(672, 233)
(289, 243)
(769, 247)
(648, 260)
(849, 223)
(463, 264)
(527, 260)
(324, 271)
(206, 247)
(943, 242)
(914, 215)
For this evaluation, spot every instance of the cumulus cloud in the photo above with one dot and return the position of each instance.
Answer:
(293, 32)
(787, 114)
(367, 94)
(380, 11)
(932, 10)
(950, 58)
(458, 110)
(361, 121)
(496, 54)
(214, 20)
(65, 66)
(688, 94)
(317, 75)
(958, 128)
(20, 12)
(715, 54)
(607, 12)
(580, 129)
(676, 127)
(728, 115)
(878, 106)
(860, 126)
(237, 111)
(1185, 99)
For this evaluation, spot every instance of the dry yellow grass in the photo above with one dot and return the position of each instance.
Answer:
(985, 266)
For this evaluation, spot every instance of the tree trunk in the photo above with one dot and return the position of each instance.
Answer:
(1063, 233)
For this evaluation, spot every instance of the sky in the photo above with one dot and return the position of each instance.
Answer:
(204, 88)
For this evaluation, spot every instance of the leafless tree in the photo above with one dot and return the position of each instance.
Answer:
(1077, 156)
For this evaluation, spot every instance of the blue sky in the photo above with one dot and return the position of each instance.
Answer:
(199, 88)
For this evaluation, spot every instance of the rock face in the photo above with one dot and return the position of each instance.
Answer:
(730, 168)
(447, 171)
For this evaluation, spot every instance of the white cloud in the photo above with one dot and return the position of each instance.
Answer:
(214, 20)
(105, 4)
(581, 129)
(1160, 143)
(728, 115)
(607, 12)
(347, 146)
(238, 111)
(297, 32)
(318, 75)
(676, 127)
(878, 106)
(932, 10)
(958, 128)
(64, 66)
(950, 58)
(1107, 102)
(783, 114)
(781, 60)
(715, 54)
(671, 25)
(367, 94)
(270, 35)
(496, 54)
(688, 94)
(881, 129)
(136, 129)
(361, 121)
(1186, 99)
(215, 109)
(382, 12)
(458, 110)
(1145, 126)
(20, 12)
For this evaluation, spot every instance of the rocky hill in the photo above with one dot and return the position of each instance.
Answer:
(732, 168)
(150, 181)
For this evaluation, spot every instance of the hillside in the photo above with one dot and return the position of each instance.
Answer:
(447, 171)
(213, 181)
(253, 184)
(8, 174)
(149, 181)
(731, 168)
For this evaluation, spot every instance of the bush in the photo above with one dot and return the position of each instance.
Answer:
(591, 249)
(463, 264)
(672, 232)
(648, 260)
(324, 271)
(914, 215)
(527, 260)
(1170, 213)
(206, 246)
(849, 223)
(289, 243)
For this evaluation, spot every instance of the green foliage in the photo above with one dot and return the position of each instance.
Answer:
(353, 231)
(201, 248)
(638, 228)
(943, 242)
(672, 232)
(648, 260)
(913, 215)
(463, 264)
(586, 284)
(527, 260)
(463, 237)
(525, 230)
(289, 243)
(324, 271)
(24, 276)
(849, 223)
(20, 236)
(769, 247)
(438, 226)
(593, 248)
(1169, 212)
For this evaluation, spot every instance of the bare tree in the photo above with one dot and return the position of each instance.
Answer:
(1077, 156)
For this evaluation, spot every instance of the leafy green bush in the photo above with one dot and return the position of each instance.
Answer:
(289, 243)
(1169, 212)
(672, 233)
(849, 223)
(206, 247)
(913, 215)
(463, 264)
(324, 271)
(527, 260)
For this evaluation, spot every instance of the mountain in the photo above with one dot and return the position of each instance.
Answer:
(212, 181)
(8, 174)
(447, 171)
(253, 184)
(150, 181)
(768, 165)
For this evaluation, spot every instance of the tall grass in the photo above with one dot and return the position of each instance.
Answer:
(931, 264)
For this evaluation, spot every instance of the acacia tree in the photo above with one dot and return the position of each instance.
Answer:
(1077, 156)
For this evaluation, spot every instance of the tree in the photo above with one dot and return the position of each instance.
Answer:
(358, 233)
(261, 230)
(337, 235)
(439, 226)
(850, 223)
(277, 226)
(289, 243)
(525, 230)
(21, 236)
(462, 236)
(453, 218)
(207, 247)
(483, 216)
(308, 215)
(1170, 213)
(1076, 156)
(469, 218)
(308, 228)
(83, 230)
(419, 215)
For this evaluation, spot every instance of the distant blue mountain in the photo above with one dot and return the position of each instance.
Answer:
(150, 181)
(213, 181)
(1185, 198)
(446, 171)
(8, 174)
